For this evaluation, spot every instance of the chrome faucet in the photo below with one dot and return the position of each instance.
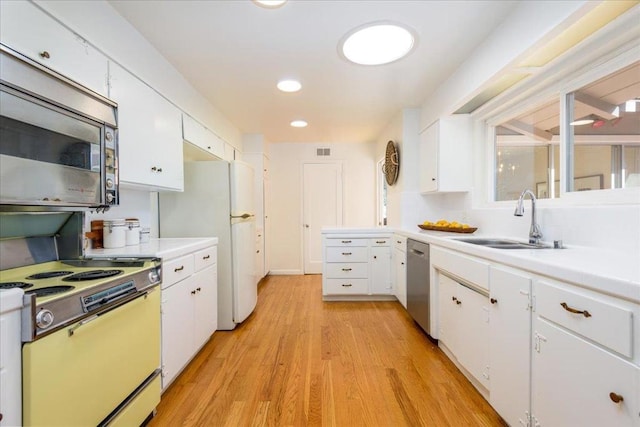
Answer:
(534, 232)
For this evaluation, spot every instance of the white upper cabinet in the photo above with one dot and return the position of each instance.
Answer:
(150, 134)
(200, 136)
(27, 29)
(445, 155)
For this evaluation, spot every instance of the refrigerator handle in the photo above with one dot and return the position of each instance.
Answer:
(243, 216)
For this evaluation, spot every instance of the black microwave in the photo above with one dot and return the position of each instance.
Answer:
(58, 140)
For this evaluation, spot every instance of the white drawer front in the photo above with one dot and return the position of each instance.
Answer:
(339, 270)
(345, 242)
(381, 241)
(176, 269)
(604, 323)
(466, 268)
(205, 258)
(400, 242)
(355, 254)
(346, 286)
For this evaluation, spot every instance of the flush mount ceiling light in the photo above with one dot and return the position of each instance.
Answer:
(377, 43)
(299, 124)
(289, 85)
(270, 4)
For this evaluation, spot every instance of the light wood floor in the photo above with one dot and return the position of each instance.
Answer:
(299, 361)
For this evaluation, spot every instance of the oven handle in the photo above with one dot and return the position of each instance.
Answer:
(120, 303)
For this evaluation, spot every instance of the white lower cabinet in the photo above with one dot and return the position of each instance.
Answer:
(400, 271)
(464, 326)
(355, 267)
(510, 344)
(189, 309)
(575, 383)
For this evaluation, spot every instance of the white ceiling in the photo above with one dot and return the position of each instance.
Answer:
(234, 52)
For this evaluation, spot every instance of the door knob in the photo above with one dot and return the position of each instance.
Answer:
(306, 225)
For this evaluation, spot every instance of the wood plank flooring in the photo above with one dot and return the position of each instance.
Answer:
(298, 361)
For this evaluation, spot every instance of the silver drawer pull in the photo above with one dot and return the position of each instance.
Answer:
(346, 269)
(346, 253)
(347, 285)
(346, 241)
(175, 270)
(585, 313)
(73, 329)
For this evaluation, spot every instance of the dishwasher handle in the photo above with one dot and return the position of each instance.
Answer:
(417, 252)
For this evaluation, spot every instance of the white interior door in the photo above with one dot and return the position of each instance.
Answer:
(321, 207)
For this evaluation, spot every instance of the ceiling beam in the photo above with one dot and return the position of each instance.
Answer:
(528, 130)
(602, 108)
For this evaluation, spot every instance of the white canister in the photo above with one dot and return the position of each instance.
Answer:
(132, 231)
(145, 234)
(113, 233)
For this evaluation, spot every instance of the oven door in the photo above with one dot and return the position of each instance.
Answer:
(78, 375)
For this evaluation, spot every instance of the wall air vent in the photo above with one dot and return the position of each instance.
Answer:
(323, 151)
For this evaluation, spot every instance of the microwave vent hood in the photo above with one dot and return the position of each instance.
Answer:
(23, 74)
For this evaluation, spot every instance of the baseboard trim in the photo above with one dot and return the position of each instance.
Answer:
(285, 272)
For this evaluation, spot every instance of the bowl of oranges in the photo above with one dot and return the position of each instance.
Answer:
(444, 225)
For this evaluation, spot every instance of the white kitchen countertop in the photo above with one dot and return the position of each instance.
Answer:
(165, 248)
(609, 272)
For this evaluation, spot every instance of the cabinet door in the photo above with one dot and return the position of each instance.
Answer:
(197, 134)
(150, 134)
(575, 383)
(400, 274)
(428, 153)
(206, 305)
(27, 29)
(510, 344)
(177, 328)
(449, 312)
(472, 342)
(381, 270)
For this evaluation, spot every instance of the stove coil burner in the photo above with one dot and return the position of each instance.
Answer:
(49, 274)
(49, 290)
(91, 275)
(11, 285)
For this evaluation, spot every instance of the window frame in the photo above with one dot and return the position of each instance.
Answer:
(600, 55)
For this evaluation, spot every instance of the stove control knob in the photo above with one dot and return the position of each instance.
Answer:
(154, 277)
(44, 319)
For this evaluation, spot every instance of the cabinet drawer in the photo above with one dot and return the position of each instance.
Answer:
(340, 270)
(346, 286)
(355, 254)
(461, 266)
(205, 258)
(380, 241)
(400, 242)
(345, 242)
(176, 269)
(602, 322)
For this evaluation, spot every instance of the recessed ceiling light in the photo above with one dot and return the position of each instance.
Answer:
(270, 4)
(299, 124)
(289, 85)
(581, 122)
(377, 43)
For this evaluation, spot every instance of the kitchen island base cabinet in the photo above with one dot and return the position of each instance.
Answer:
(357, 267)
(189, 309)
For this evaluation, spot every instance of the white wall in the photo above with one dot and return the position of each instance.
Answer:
(286, 160)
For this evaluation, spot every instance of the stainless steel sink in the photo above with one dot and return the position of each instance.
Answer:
(502, 243)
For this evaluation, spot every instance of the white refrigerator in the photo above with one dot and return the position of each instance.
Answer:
(218, 202)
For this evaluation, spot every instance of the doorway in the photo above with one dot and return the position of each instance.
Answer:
(321, 207)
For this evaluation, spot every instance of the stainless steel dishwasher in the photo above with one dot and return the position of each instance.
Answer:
(418, 283)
